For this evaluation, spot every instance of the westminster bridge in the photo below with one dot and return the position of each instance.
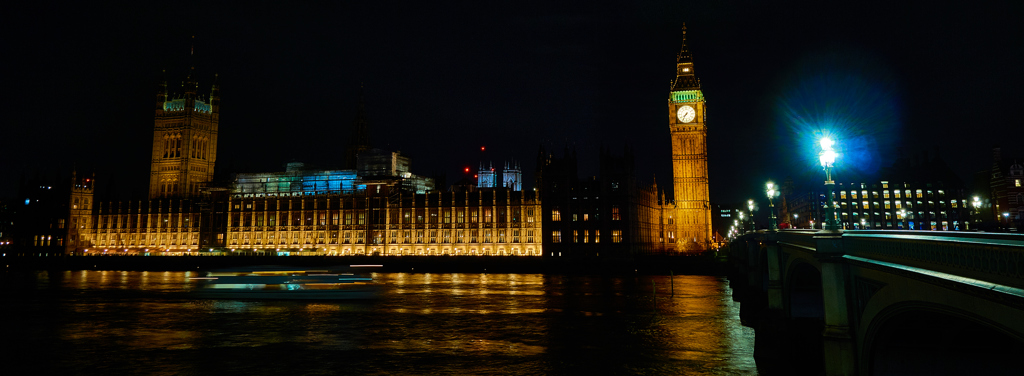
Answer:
(884, 302)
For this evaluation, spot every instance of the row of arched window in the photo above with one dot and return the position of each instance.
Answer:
(172, 146)
(169, 186)
(199, 147)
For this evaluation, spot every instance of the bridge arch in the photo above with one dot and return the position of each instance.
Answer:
(930, 338)
(804, 296)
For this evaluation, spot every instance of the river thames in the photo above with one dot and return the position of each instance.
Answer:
(118, 322)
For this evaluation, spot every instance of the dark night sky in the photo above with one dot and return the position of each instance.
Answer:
(443, 80)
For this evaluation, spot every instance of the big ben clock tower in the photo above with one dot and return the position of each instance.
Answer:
(687, 116)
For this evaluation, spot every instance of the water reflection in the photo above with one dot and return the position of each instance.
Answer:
(459, 323)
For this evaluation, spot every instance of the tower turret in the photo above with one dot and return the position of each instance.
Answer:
(184, 139)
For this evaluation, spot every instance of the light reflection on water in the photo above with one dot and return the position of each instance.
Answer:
(421, 324)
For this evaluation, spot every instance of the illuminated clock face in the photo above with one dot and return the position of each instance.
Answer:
(686, 114)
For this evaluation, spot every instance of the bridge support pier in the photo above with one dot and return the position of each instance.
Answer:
(775, 303)
(839, 347)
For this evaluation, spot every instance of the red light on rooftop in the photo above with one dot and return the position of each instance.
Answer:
(467, 169)
(481, 148)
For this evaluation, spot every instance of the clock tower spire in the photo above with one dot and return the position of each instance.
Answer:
(685, 79)
(687, 116)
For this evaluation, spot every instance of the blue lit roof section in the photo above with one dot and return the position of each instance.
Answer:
(300, 182)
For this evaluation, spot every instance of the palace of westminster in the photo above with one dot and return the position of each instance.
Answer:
(376, 206)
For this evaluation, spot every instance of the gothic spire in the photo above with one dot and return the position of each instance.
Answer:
(685, 79)
(360, 140)
(684, 52)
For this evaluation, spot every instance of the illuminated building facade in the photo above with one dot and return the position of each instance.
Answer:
(877, 205)
(184, 140)
(376, 207)
(687, 118)
(379, 220)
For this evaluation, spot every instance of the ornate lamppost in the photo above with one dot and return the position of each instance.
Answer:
(827, 157)
(772, 226)
(795, 216)
(903, 216)
(976, 203)
(750, 207)
(741, 224)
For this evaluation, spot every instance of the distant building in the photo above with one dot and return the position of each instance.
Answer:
(512, 176)
(37, 222)
(612, 215)
(1005, 192)
(725, 218)
(485, 176)
(930, 194)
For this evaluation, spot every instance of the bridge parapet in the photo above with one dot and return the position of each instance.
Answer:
(802, 238)
(995, 258)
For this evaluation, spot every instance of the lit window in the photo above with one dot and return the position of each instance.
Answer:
(885, 194)
(615, 213)
(586, 217)
(556, 236)
(1016, 182)
(616, 236)
(842, 195)
(575, 236)
(887, 204)
(586, 236)
(556, 215)
(885, 184)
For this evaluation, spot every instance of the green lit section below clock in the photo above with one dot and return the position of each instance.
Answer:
(687, 96)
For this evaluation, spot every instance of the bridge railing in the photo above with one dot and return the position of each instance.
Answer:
(991, 257)
(996, 258)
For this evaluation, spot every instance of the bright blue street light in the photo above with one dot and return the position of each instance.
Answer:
(827, 156)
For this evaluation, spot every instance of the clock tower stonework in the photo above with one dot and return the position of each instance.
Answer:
(687, 116)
